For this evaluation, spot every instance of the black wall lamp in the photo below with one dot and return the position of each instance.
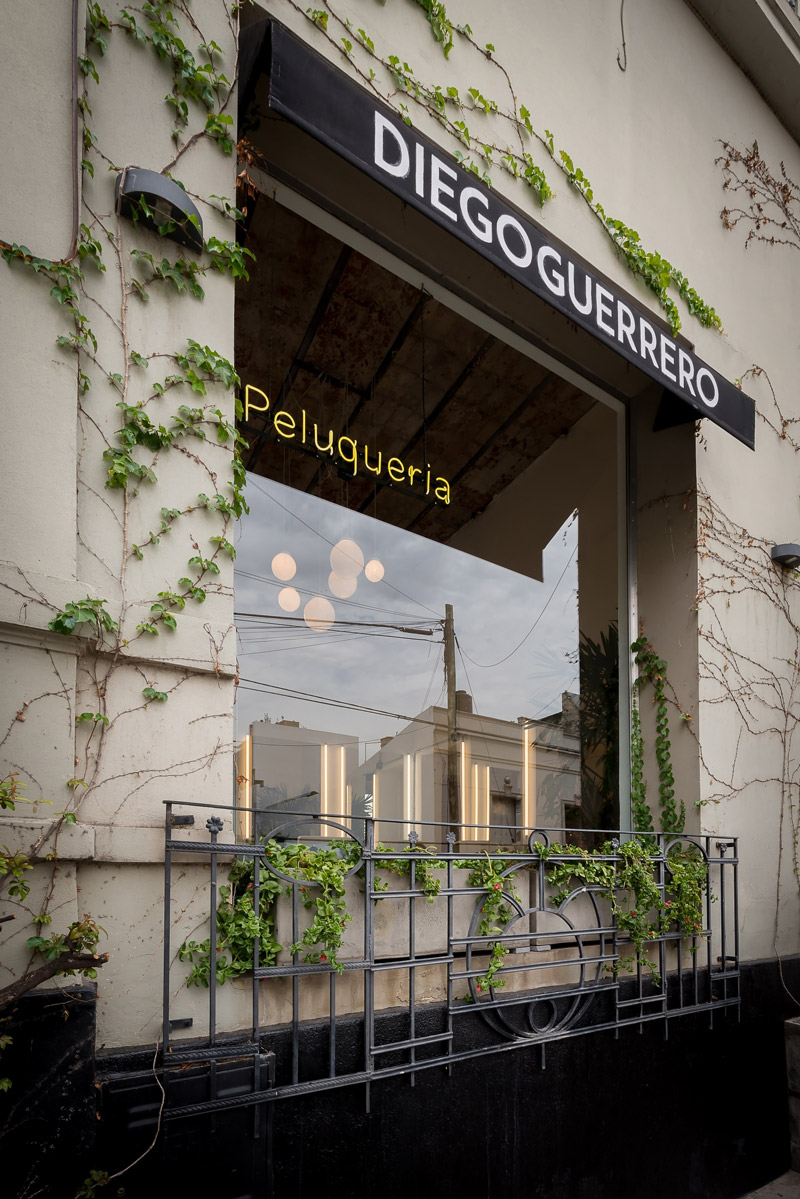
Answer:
(166, 208)
(787, 555)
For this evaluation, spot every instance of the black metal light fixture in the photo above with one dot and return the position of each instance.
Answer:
(157, 202)
(787, 555)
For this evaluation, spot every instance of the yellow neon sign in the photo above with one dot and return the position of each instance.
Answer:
(345, 450)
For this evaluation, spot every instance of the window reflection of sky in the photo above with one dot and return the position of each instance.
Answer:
(509, 670)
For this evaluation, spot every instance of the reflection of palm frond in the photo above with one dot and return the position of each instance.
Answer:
(559, 786)
(599, 662)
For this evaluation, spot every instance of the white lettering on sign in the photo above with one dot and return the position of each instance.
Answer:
(476, 222)
(439, 189)
(712, 399)
(524, 259)
(400, 168)
(450, 193)
(554, 280)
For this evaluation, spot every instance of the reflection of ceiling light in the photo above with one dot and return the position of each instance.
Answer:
(374, 570)
(284, 567)
(289, 599)
(319, 614)
(342, 588)
(347, 559)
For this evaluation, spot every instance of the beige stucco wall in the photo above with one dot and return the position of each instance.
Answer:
(65, 535)
(647, 138)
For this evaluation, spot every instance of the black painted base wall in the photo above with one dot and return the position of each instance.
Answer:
(49, 1115)
(702, 1115)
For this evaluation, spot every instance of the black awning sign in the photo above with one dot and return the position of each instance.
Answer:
(342, 115)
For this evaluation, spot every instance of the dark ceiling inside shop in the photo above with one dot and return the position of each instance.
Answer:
(322, 328)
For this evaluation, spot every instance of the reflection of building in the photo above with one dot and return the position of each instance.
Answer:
(286, 768)
(509, 773)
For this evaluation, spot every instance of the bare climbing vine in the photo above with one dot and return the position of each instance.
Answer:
(168, 467)
(765, 202)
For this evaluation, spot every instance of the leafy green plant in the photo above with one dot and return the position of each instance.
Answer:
(320, 872)
(13, 864)
(87, 611)
(425, 865)
(238, 926)
(653, 670)
(489, 873)
(625, 875)
(10, 791)
(81, 937)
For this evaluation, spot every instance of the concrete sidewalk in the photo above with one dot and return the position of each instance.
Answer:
(785, 1187)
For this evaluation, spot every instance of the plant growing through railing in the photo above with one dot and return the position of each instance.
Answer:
(425, 866)
(625, 876)
(490, 873)
(238, 924)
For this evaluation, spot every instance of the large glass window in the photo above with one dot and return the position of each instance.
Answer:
(427, 583)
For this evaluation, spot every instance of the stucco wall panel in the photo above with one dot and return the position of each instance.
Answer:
(36, 133)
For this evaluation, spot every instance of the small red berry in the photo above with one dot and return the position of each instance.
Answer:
(322, 957)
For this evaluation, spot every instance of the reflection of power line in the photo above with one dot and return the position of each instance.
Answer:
(252, 481)
(476, 713)
(291, 646)
(366, 625)
(491, 665)
(329, 701)
(246, 574)
(253, 635)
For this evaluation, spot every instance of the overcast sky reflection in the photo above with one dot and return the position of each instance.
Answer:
(509, 670)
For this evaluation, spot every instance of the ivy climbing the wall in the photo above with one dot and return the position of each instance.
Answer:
(169, 399)
(488, 134)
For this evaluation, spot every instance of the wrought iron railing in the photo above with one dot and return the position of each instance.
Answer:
(406, 993)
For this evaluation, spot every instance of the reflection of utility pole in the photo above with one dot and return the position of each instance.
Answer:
(452, 731)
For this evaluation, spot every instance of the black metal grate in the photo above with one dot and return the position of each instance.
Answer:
(564, 971)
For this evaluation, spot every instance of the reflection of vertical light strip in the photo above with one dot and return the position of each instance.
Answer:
(528, 774)
(407, 793)
(342, 784)
(323, 785)
(466, 833)
(525, 781)
(246, 787)
(474, 803)
(486, 814)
